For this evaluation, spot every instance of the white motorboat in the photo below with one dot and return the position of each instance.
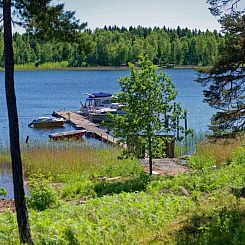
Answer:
(47, 122)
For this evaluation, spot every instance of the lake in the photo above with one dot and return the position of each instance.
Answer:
(39, 93)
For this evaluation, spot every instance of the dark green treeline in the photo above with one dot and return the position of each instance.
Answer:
(114, 46)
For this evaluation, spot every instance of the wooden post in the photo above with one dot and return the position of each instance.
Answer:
(27, 139)
(69, 116)
(178, 127)
(186, 125)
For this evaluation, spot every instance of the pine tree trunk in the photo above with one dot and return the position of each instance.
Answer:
(19, 193)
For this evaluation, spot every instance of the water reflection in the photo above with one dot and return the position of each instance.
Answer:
(6, 181)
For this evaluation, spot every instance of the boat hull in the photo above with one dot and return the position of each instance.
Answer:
(49, 124)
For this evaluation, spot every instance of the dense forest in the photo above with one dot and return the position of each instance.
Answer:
(114, 46)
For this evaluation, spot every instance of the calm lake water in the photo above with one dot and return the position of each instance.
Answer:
(39, 93)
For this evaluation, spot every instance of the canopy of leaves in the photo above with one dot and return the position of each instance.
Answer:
(148, 97)
(46, 19)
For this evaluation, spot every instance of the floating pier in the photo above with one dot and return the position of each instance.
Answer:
(80, 122)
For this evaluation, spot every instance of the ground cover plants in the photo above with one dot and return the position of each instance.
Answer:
(90, 196)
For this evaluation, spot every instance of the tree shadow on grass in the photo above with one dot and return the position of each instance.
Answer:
(133, 184)
(226, 227)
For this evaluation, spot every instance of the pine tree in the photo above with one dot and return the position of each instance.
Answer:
(225, 82)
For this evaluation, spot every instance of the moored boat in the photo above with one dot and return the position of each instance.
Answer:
(47, 122)
(99, 105)
(76, 134)
(96, 101)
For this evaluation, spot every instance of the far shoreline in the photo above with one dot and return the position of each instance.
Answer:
(98, 68)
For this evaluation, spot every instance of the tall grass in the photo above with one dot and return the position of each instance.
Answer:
(70, 159)
(221, 149)
(4, 157)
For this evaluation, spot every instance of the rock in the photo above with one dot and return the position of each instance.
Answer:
(164, 191)
(104, 178)
(185, 157)
(184, 191)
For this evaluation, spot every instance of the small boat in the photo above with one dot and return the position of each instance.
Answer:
(76, 134)
(100, 115)
(47, 122)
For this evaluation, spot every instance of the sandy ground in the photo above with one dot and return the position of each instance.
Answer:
(6, 205)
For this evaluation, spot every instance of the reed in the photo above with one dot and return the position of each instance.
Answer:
(4, 157)
(72, 159)
(221, 149)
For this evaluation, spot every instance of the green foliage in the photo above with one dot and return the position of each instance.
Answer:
(77, 189)
(117, 219)
(137, 208)
(8, 229)
(239, 156)
(200, 162)
(135, 184)
(225, 226)
(3, 192)
(150, 110)
(116, 46)
(42, 196)
(205, 181)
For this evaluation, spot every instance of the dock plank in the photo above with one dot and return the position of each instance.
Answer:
(80, 122)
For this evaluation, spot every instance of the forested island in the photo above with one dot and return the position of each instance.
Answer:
(115, 46)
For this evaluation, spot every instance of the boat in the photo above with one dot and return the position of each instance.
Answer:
(100, 115)
(47, 122)
(96, 101)
(76, 134)
(98, 105)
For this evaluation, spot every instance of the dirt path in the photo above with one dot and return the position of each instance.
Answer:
(166, 166)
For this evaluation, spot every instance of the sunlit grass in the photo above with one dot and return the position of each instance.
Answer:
(57, 161)
(4, 157)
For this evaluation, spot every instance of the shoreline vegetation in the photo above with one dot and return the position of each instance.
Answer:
(122, 204)
(65, 66)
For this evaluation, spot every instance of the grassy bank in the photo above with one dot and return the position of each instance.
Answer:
(73, 204)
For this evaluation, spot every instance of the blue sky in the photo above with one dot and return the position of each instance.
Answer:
(171, 13)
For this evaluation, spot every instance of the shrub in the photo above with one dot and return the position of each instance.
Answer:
(138, 183)
(201, 162)
(79, 189)
(42, 196)
(3, 192)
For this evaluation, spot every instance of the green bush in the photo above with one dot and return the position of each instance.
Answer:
(201, 162)
(78, 189)
(3, 192)
(42, 196)
(138, 183)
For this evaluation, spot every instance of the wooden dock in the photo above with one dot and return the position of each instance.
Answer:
(80, 122)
